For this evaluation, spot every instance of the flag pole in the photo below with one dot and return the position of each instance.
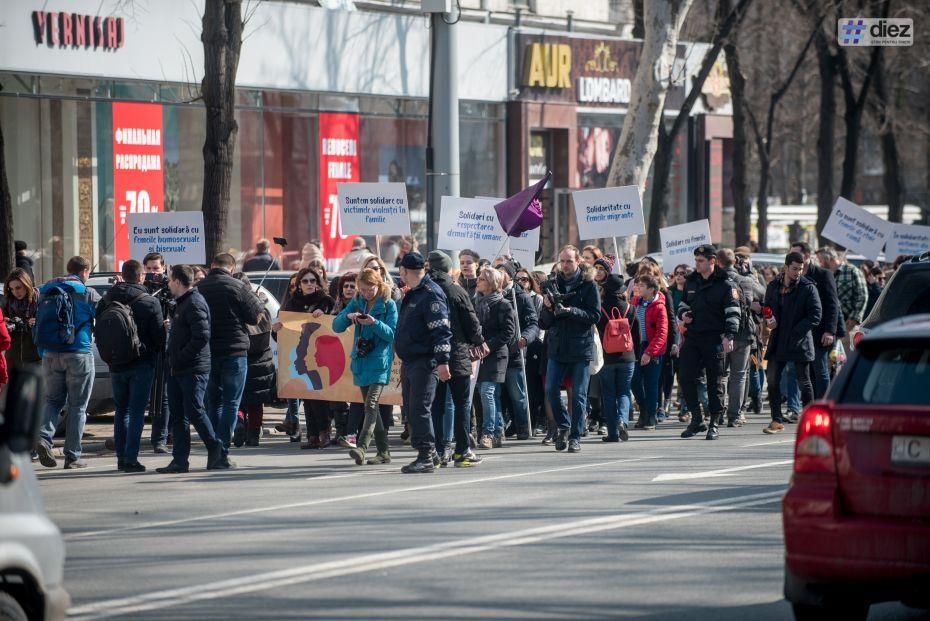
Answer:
(526, 387)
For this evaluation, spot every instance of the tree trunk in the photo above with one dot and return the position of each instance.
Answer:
(741, 206)
(7, 252)
(894, 190)
(222, 40)
(826, 131)
(636, 147)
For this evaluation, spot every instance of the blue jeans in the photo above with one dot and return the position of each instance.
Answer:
(578, 372)
(69, 378)
(293, 410)
(646, 389)
(789, 387)
(616, 382)
(185, 401)
(490, 394)
(224, 392)
(820, 370)
(131, 392)
(516, 390)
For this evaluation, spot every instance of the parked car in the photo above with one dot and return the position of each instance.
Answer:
(906, 293)
(101, 396)
(857, 513)
(32, 551)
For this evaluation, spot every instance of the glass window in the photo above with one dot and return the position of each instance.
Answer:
(890, 373)
(480, 147)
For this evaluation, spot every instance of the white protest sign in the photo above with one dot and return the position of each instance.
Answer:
(679, 242)
(853, 227)
(373, 208)
(609, 212)
(470, 223)
(907, 239)
(177, 235)
(522, 248)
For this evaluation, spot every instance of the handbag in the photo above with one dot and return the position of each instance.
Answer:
(598, 360)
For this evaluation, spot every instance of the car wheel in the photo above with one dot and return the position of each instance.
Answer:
(851, 611)
(10, 610)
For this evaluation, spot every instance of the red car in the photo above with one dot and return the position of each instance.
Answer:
(857, 513)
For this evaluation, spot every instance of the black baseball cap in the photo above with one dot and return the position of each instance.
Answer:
(708, 251)
(412, 261)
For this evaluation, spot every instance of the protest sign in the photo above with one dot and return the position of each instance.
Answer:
(374, 208)
(907, 239)
(314, 362)
(471, 223)
(854, 228)
(523, 248)
(679, 242)
(609, 212)
(177, 235)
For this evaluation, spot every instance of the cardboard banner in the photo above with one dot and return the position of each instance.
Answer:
(679, 242)
(177, 235)
(609, 212)
(315, 363)
(907, 239)
(138, 175)
(854, 228)
(374, 208)
(338, 163)
(471, 223)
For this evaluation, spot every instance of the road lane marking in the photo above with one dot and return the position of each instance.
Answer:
(724, 472)
(398, 558)
(785, 441)
(325, 501)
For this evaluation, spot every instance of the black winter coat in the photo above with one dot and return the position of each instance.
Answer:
(713, 303)
(751, 290)
(470, 285)
(260, 263)
(499, 325)
(612, 290)
(466, 329)
(529, 325)
(146, 312)
(23, 349)
(233, 305)
(300, 303)
(569, 338)
(797, 312)
(189, 340)
(260, 377)
(825, 283)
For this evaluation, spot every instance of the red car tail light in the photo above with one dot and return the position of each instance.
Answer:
(813, 448)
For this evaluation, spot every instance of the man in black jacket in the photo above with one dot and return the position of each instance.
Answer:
(795, 308)
(467, 343)
(189, 359)
(262, 260)
(825, 332)
(569, 313)
(132, 381)
(528, 324)
(232, 307)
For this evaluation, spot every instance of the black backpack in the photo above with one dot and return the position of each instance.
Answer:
(116, 332)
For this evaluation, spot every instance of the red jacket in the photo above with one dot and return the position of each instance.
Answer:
(656, 325)
(5, 343)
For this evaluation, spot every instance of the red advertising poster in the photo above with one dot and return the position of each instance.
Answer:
(338, 164)
(138, 176)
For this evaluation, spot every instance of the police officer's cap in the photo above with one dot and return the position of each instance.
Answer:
(708, 251)
(412, 261)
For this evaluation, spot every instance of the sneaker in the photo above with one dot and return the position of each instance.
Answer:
(684, 417)
(133, 467)
(486, 442)
(602, 430)
(731, 422)
(497, 442)
(75, 464)
(420, 465)
(648, 427)
(549, 440)
(624, 434)
(610, 439)
(160, 449)
(541, 430)
(792, 417)
(445, 457)
(380, 458)
(574, 446)
(774, 427)
(435, 457)
(358, 455)
(523, 435)
(467, 460)
(561, 439)
(592, 426)
(693, 430)
(740, 420)
(343, 441)
(222, 464)
(46, 457)
(172, 468)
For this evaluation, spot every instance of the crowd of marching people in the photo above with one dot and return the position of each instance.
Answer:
(490, 351)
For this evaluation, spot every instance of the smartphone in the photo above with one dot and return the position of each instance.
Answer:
(280, 241)
(361, 316)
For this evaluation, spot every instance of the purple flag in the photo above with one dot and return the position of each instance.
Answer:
(522, 211)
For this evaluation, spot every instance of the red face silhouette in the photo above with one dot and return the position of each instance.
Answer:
(330, 355)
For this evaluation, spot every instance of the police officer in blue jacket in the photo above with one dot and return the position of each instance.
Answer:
(422, 341)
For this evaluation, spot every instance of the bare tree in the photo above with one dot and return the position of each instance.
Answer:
(894, 186)
(741, 207)
(222, 41)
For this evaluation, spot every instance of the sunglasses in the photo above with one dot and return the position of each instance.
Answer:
(308, 281)
(348, 285)
(681, 273)
(523, 279)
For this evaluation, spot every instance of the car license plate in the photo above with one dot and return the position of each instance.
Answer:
(910, 450)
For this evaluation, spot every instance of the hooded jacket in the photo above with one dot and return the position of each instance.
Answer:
(375, 367)
(260, 374)
(233, 305)
(797, 312)
(569, 337)
(656, 325)
(466, 329)
(612, 290)
(84, 304)
(146, 312)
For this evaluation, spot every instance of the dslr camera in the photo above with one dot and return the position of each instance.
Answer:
(550, 290)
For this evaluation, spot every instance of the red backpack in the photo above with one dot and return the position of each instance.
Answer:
(617, 336)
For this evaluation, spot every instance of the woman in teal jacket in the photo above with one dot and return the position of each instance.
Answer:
(374, 315)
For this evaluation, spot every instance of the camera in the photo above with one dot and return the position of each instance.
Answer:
(550, 289)
(15, 324)
(363, 347)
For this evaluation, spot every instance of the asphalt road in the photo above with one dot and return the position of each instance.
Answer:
(656, 528)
